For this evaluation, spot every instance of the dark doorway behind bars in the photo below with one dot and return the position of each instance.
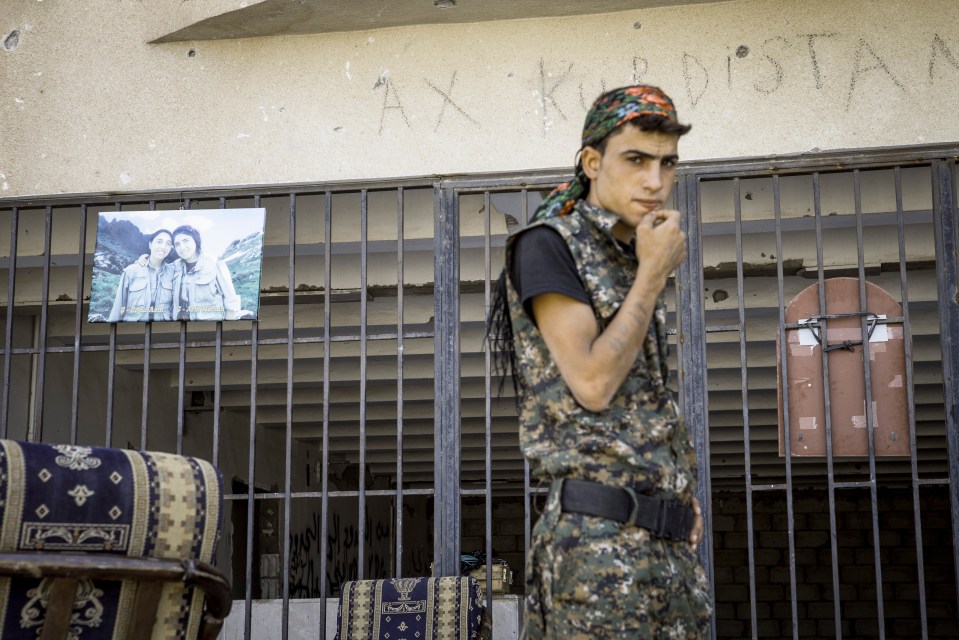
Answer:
(365, 387)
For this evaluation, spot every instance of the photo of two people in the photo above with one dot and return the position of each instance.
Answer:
(194, 264)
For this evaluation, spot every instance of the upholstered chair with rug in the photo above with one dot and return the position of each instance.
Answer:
(99, 543)
(447, 608)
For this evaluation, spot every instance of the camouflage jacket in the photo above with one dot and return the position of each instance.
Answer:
(640, 440)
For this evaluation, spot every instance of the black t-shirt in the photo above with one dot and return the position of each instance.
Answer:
(542, 263)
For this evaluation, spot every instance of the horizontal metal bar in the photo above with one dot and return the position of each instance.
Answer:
(708, 169)
(767, 487)
(880, 157)
(802, 325)
(861, 484)
(332, 494)
(932, 482)
(210, 343)
(723, 328)
(214, 193)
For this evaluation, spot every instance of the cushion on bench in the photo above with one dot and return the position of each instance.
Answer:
(72, 499)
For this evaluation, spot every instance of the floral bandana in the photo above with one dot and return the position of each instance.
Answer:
(610, 110)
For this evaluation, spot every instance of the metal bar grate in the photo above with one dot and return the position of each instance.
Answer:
(363, 408)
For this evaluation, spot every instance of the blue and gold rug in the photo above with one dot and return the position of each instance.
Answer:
(450, 608)
(107, 501)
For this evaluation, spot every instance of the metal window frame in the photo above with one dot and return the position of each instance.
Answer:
(447, 489)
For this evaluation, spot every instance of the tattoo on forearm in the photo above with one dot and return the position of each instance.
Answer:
(640, 313)
(616, 344)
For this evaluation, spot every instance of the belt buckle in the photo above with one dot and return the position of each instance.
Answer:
(635, 510)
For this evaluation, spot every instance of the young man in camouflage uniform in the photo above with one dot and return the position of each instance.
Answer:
(581, 320)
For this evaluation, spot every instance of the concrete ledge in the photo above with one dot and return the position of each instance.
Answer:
(224, 20)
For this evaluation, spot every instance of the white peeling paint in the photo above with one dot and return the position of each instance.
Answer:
(346, 71)
(126, 178)
(370, 40)
(240, 136)
(152, 145)
(38, 74)
(381, 80)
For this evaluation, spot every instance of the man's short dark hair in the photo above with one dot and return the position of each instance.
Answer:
(651, 122)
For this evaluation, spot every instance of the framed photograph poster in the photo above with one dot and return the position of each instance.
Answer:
(188, 264)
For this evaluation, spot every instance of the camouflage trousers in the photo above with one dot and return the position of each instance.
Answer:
(591, 578)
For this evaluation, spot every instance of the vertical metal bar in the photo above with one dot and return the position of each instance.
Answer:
(400, 275)
(78, 324)
(111, 365)
(747, 447)
(217, 381)
(144, 414)
(8, 338)
(147, 344)
(111, 371)
(827, 412)
(251, 478)
(288, 444)
(488, 409)
(35, 431)
(181, 375)
(527, 511)
(251, 474)
(181, 388)
(361, 528)
(692, 335)
(446, 311)
(325, 482)
(945, 227)
(790, 520)
(911, 405)
(681, 293)
(870, 414)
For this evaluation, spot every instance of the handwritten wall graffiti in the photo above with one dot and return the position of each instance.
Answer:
(341, 549)
(843, 64)
(448, 101)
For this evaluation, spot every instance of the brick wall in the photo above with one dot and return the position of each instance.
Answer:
(814, 573)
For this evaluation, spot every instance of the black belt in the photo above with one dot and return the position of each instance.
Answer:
(668, 519)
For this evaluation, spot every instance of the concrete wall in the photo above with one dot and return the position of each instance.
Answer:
(88, 105)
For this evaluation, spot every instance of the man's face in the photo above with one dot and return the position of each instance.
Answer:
(634, 176)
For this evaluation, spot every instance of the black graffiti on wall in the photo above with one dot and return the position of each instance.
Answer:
(342, 545)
